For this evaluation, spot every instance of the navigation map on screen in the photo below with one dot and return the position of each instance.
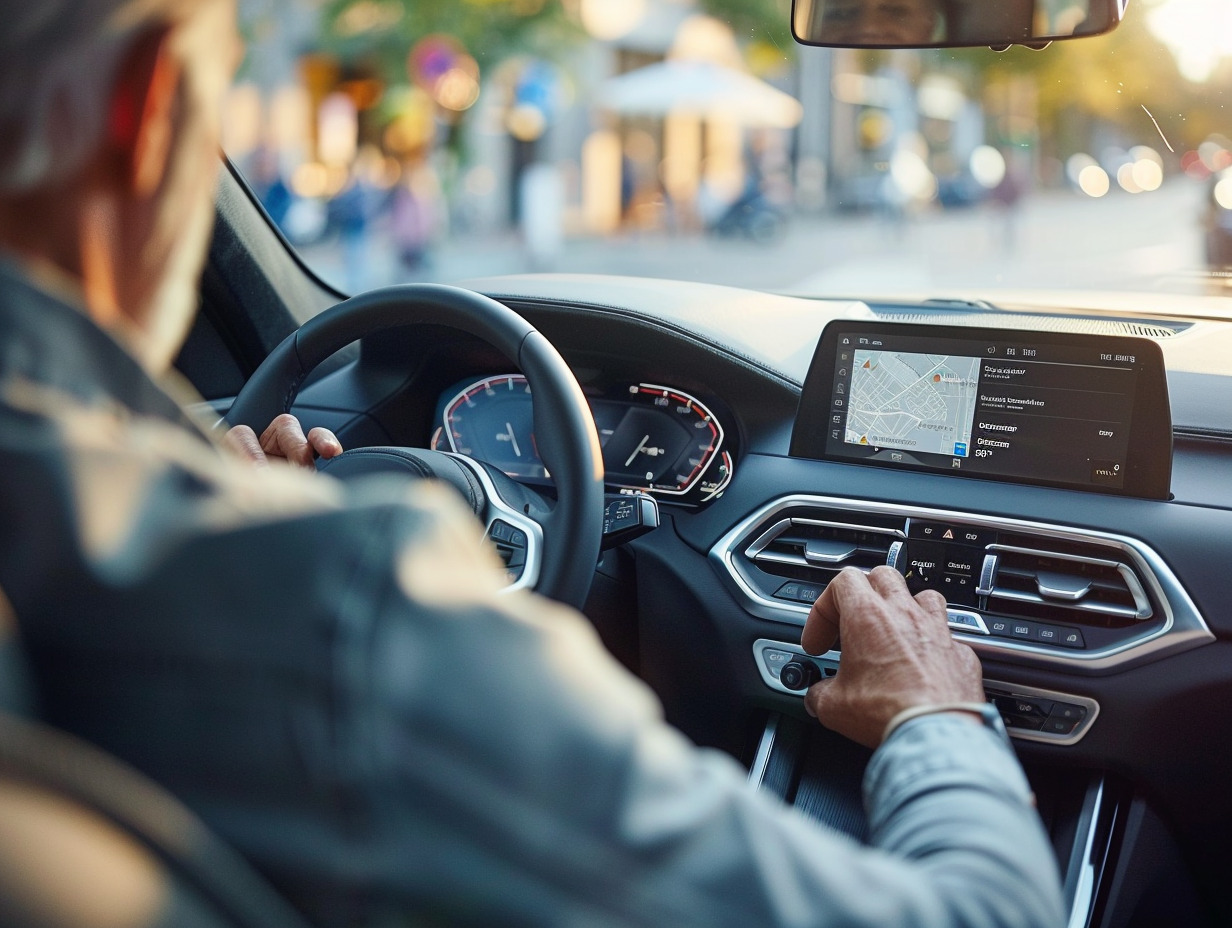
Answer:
(912, 402)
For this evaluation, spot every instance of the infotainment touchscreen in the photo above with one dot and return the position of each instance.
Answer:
(1059, 409)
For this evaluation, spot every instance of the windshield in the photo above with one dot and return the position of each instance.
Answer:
(402, 140)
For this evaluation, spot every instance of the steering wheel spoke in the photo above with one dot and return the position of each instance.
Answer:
(561, 544)
(516, 535)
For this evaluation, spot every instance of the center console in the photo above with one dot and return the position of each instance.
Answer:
(1069, 601)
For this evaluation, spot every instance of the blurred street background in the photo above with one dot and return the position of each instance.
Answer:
(445, 140)
(1055, 239)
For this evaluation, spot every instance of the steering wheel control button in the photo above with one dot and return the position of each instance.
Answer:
(511, 545)
(799, 674)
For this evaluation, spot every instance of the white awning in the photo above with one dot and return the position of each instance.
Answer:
(703, 89)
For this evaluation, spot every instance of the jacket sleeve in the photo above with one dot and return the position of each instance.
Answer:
(550, 791)
(340, 688)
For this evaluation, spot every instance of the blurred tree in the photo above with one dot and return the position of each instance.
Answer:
(1127, 79)
(762, 27)
(489, 30)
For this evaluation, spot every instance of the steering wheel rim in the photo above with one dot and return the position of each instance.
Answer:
(570, 450)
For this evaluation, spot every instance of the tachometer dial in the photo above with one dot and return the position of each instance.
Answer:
(660, 440)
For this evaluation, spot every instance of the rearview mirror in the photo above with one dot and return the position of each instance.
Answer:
(948, 23)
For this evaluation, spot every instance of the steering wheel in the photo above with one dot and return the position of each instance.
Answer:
(558, 544)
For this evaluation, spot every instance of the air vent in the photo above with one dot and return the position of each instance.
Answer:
(1145, 328)
(816, 546)
(1031, 593)
(1086, 587)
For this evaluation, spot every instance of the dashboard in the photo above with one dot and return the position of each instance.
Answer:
(1098, 613)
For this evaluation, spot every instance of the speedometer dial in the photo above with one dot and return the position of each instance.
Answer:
(491, 420)
(654, 438)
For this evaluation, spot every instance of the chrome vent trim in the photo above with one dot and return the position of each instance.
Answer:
(828, 554)
(1069, 592)
(1177, 625)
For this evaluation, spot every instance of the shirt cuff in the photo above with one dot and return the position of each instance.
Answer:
(937, 752)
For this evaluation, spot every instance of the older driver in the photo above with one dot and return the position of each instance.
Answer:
(283, 652)
(877, 22)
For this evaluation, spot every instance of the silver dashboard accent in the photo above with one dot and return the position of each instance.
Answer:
(966, 620)
(818, 552)
(1058, 586)
(757, 773)
(499, 509)
(1084, 863)
(1181, 628)
(894, 557)
(988, 573)
(1142, 603)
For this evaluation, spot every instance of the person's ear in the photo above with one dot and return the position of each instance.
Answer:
(142, 116)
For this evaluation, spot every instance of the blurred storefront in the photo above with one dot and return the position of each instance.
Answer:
(586, 119)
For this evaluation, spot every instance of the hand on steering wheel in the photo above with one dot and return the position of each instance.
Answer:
(563, 540)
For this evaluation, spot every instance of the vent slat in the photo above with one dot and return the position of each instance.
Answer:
(1109, 609)
(1070, 583)
(819, 548)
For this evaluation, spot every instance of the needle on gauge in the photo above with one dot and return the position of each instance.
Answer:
(637, 450)
(642, 449)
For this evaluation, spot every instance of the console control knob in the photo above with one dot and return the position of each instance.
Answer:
(799, 675)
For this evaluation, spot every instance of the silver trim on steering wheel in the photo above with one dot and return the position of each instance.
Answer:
(498, 509)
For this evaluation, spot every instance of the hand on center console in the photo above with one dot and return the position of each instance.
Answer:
(897, 654)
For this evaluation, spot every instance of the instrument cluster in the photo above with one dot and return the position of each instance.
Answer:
(655, 438)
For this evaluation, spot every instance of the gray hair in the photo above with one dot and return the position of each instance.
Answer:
(58, 60)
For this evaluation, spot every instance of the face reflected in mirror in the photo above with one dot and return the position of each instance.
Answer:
(876, 22)
(932, 23)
